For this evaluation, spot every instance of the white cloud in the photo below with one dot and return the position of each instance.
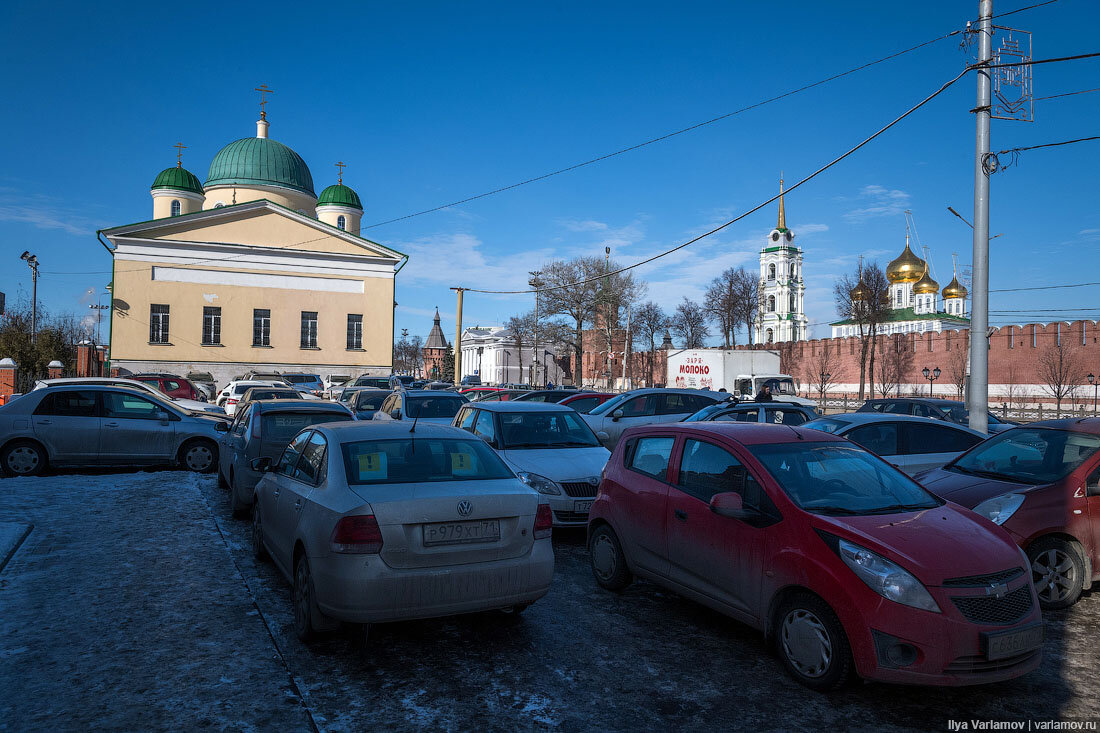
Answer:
(811, 228)
(44, 213)
(588, 225)
(456, 259)
(878, 201)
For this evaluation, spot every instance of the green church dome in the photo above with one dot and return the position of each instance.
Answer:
(177, 179)
(340, 195)
(260, 161)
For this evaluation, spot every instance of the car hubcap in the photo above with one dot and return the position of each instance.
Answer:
(806, 643)
(23, 459)
(301, 597)
(603, 557)
(1054, 575)
(199, 458)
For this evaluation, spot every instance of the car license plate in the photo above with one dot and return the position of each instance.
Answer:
(461, 533)
(582, 506)
(1001, 644)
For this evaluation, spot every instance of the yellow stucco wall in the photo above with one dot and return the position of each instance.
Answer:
(228, 195)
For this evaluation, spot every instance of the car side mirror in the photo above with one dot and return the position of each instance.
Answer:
(728, 504)
(261, 464)
(616, 415)
(221, 426)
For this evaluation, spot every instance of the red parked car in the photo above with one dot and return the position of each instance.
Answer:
(474, 392)
(1041, 482)
(844, 561)
(583, 402)
(172, 385)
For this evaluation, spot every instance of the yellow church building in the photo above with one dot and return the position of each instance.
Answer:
(251, 270)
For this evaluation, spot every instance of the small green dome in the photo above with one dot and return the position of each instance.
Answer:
(177, 179)
(259, 161)
(339, 195)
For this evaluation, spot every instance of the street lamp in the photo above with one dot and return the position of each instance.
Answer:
(931, 376)
(1095, 385)
(32, 262)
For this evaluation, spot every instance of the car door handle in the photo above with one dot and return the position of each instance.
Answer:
(110, 424)
(275, 493)
(42, 422)
(681, 514)
(298, 505)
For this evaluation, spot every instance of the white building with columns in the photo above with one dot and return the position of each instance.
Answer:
(490, 353)
(782, 290)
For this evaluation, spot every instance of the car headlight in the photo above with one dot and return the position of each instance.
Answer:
(540, 484)
(1000, 508)
(886, 578)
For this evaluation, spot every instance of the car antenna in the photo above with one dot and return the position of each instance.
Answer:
(415, 418)
(797, 434)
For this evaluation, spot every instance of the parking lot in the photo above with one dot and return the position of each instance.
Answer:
(134, 603)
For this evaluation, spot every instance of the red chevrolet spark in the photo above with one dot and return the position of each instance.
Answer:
(850, 566)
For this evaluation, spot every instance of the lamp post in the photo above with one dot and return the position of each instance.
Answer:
(506, 372)
(931, 376)
(536, 283)
(32, 262)
(1095, 385)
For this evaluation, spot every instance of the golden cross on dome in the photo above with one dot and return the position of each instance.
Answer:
(180, 147)
(264, 91)
(340, 176)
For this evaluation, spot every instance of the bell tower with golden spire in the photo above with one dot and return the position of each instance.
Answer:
(782, 307)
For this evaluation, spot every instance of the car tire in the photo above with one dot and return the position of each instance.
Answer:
(812, 644)
(1057, 571)
(237, 507)
(222, 483)
(608, 561)
(199, 456)
(23, 458)
(256, 535)
(308, 619)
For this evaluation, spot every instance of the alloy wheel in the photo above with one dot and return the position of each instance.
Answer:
(1054, 575)
(301, 598)
(806, 643)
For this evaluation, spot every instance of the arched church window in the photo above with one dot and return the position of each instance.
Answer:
(176, 207)
(897, 296)
(770, 335)
(341, 222)
(792, 309)
(792, 271)
(771, 271)
(771, 304)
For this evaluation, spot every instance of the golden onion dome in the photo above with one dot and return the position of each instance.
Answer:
(859, 292)
(954, 289)
(907, 268)
(926, 285)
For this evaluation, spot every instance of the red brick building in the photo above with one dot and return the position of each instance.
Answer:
(435, 350)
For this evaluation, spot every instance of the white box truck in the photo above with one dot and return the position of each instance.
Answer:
(742, 372)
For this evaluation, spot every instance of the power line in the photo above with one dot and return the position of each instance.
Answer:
(1067, 94)
(753, 210)
(1048, 145)
(1020, 10)
(1043, 287)
(1033, 62)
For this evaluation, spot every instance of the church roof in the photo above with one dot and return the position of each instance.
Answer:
(907, 268)
(177, 178)
(339, 195)
(908, 314)
(259, 161)
(436, 339)
(954, 289)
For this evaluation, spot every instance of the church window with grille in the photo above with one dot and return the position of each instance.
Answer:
(176, 209)
(158, 324)
(341, 222)
(355, 330)
(771, 271)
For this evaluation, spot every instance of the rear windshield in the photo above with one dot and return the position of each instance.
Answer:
(436, 406)
(280, 427)
(370, 400)
(301, 378)
(416, 460)
(272, 394)
(563, 429)
(827, 425)
(405, 378)
(380, 382)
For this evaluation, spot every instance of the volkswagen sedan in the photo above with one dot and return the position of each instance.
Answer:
(373, 522)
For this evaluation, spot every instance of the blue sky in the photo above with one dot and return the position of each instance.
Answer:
(434, 102)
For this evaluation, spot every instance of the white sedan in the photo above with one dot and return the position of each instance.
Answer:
(374, 522)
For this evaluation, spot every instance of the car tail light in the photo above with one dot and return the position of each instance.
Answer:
(256, 424)
(544, 522)
(231, 401)
(358, 534)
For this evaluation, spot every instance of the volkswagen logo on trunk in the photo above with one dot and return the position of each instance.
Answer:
(465, 508)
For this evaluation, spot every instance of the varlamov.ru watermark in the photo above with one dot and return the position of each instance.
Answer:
(1023, 725)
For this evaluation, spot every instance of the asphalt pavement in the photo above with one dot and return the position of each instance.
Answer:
(135, 603)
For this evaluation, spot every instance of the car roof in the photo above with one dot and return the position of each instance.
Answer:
(372, 429)
(746, 433)
(773, 403)
(679, 390)
(921, 400)
(863, 418)
(519, 406)
(1081, 425)
(362, 388)
(429, 393)
(574, 394)
(299, 406)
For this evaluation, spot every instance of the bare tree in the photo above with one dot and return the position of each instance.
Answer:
(1014, 392)
(720, 303)
(746, 299)
(895, 364)
(958, 362)
(826, 369)
(650, 323)
(571, 291)
(1061, 370)
(863, 301)
(522, 330)
(689, 323)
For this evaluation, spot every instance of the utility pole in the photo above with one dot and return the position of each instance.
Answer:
(458, 337)
(536, 283)
(32, 262)
(978, 402)
(626, 348)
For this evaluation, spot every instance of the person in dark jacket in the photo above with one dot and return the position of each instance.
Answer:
(764, 395)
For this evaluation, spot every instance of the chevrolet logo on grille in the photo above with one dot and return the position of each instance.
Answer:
(998, 590)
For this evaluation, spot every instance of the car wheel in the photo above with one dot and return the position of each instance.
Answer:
(304, 609)
(236, 506)
(23, 458)
(257, 534)
(222, 483)
(1058, 572)
(200, 456)
(608, 561)
(812, 644)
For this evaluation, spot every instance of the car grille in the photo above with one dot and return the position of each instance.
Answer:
(977, 581)
(979, 664)
(996, 611)
(571, 516)
(579, 488)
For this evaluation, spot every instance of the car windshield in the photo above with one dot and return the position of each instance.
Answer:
(280, 427)
(827, 424)
(1028, 455)
(434, 406)
(380, 382)
(838, 479)
(611, 404)
(961, 415)
(416, 460)
(370, 400)
(707, 412)
(272, 394)
(780, 386)
(405, 379)
(545, 430)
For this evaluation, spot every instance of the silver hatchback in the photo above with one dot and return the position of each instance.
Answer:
(374, 522)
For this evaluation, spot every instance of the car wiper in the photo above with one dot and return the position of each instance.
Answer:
(1004, 477)
(835, 510)
(890, 508)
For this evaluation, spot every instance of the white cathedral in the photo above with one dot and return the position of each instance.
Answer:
(782, 292)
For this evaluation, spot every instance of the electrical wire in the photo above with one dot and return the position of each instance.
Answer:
(1067, 94)
(1048, 145)
(1043, 287)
